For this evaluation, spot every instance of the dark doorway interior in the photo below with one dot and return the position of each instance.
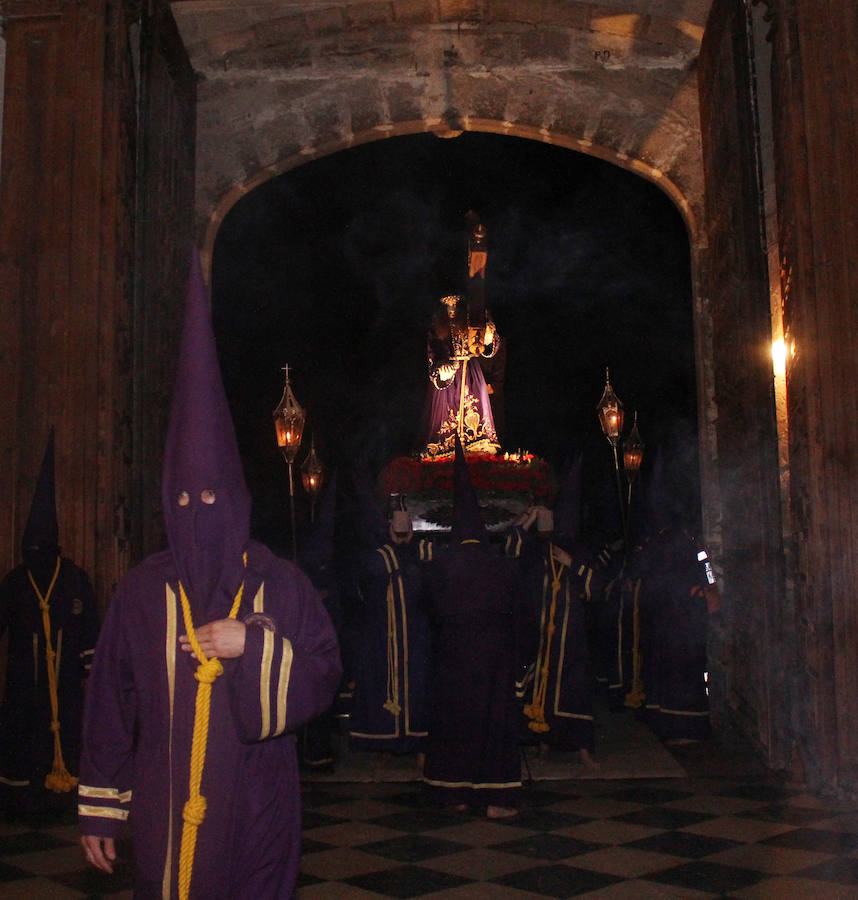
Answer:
(336, 267)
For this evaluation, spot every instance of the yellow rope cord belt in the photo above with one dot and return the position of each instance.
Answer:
(536, 710)
(391, 702)
(195, 809)
(58, 779)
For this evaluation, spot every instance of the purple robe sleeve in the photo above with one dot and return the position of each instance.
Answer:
(288, 674)
(106, 769)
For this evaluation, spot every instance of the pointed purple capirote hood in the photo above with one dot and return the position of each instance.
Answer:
(657, 500)
(467, 520)
(202, 463)
(567, 508)
(41, 533)
(372, 525)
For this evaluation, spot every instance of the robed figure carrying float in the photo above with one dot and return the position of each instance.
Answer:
(393, 639)
(472, 754)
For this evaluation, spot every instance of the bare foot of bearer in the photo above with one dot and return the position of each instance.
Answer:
(501, 812)
(588, 760)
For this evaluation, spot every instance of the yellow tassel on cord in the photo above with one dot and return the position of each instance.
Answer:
(58, 780)
(536, 710)
(195, 809)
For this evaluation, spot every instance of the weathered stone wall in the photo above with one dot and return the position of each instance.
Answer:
(279, 87)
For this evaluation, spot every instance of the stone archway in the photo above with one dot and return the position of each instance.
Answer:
(278, 87)
(707, 436)
(582, 145)
(697, 247)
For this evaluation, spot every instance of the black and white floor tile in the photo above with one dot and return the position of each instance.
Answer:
(720, 831)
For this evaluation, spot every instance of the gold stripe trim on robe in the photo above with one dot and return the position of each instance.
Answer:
(561, 662)
(283, 684)
(477, 785)
(265, 682)
(391, 563)
(512, 546)
(13, 783)
(561, 654)
(103, 793)
(406, 693)
(392, 704)
(102, 812)
(259, 599)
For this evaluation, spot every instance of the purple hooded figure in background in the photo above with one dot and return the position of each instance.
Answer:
(212, 653)
(48, 607)
(674, 614)
(473, 756)
(392, 639)
(561, 581)
(317, 558)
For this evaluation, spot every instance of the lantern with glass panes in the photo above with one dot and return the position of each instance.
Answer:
(289, 420)
(312, 477)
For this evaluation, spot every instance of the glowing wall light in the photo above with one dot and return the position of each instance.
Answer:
(779, 354)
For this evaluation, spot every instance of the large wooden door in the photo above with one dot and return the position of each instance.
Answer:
(756, 627)
(96, 188)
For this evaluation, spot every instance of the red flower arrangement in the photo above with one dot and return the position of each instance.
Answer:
(520, 475)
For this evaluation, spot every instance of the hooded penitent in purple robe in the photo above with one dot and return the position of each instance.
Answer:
(316, 557)
(674, 622)
(621, 619)
(472, 755)
(140, 712)
(559, 706)
(29, 750)
(390, 705)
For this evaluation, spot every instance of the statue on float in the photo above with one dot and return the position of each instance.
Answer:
(462, 333)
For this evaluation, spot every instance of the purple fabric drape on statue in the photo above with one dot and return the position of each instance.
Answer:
(441, 408)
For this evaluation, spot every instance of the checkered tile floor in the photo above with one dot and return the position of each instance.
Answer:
(723, 831)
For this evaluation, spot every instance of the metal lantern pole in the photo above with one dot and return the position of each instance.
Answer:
(312, 477)
(289, 420)
(611, 414)
(633, 452)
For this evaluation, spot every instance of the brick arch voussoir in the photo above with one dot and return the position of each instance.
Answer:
(491, 126)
